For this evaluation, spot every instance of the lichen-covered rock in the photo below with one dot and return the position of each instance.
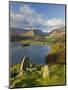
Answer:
(45, 71)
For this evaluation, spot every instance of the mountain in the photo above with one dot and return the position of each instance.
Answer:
(27, 32)
(58, 32)
(31, 32)
(40, 33)
(16, 31)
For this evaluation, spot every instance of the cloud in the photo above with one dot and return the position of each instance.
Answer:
(54, 22)
(26, 9)
(26, 17)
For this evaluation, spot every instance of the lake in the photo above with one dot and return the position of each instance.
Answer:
(36, 53)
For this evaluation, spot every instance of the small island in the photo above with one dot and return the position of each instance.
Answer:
(25, 44)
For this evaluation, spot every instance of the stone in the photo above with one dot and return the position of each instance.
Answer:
(24, 64)
(45, 71)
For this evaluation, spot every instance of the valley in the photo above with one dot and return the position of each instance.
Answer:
(55, 59)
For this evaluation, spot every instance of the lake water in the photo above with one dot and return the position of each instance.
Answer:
(36, 53)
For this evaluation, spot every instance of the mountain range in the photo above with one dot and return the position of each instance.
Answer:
(31, 32)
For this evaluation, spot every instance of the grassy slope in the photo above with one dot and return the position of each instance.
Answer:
(34, 78)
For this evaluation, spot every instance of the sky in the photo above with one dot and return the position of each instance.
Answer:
(44, 17)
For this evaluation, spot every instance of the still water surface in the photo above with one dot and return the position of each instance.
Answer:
(36, 53)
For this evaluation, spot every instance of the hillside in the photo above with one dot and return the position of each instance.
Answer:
(37, 35)
(17, 31)
(30, 32)
(57, 54)
(27, 32)
(57, 32)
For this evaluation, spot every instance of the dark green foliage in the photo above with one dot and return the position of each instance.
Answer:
(51, 58)
(13, 74)
(57, 54)
(14, 70)
(56, 58)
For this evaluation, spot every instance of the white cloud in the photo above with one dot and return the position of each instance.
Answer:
(26, 9)
(54, 22)
(26, 17)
